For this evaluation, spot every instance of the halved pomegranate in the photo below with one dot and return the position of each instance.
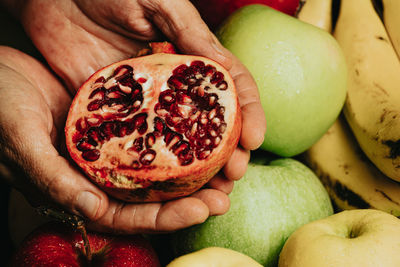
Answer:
(156, 127)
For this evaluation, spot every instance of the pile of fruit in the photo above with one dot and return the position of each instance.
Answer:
(323, 189)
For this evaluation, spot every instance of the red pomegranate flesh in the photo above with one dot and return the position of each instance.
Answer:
(156, 127)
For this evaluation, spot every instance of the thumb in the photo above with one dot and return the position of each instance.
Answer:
(59, 181)
(182, 24)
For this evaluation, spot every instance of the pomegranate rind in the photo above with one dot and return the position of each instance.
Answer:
(165, 178)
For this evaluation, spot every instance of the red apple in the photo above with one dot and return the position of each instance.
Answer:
(214, 12)
(56, 244)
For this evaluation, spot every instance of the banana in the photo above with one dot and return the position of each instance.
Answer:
(351, 180)
(391, 18)
(372, 106)
(317, 13)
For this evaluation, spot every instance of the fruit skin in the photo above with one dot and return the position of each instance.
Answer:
(267, 205)
(372, 104)
(55, 244)
(367, 238)
(392, 22)
(168, 180)
(215, 257)
(350, 178)
(214, 12)
(300, 72)
(317, 13)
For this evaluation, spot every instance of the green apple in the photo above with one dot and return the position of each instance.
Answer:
(267, 205)
(352, 238)
(299, 69)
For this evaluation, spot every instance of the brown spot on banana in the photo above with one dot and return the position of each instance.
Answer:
(394, 147)
(345, 194)
(387, 197)
(381, 38)
(381, 89)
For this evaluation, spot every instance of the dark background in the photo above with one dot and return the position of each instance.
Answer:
(11, 34)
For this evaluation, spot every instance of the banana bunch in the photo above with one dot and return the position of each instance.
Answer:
(351, 179)
(372, 107)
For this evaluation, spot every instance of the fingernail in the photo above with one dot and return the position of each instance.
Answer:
(87, 204)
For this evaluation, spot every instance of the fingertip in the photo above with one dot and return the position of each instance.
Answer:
(254, 126)
(217, 201)
(236, 166)
(91, 205)
(182, 213)
(221, 183)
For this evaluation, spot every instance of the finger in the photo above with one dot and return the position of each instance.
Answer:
(236, 166)
(152, 217)
(221, 183)
(253, 117)
(182, 24)
(217, 201)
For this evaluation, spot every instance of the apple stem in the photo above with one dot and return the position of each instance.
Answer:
(77, 222)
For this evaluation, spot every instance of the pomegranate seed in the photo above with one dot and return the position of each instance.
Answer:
(212, 114)
(84, 145)
(216, 121)
(186, 157)
(81, 125)
(99, 93)
(91, 155)
(203, 154)
(95, 120)
(150, 140)
(217, 141)
(125, 89)
(159, 125)
(95, 105)
(194, 128)
(176, 82)
(137, 144)
(141, 80)
(197, 64)
(172, 136)
(212, 99)
(114, 95)
(208, 70)
(217, 77)
(167, 97)
(180, 146)
(222, 128)
(101, 79)
(180, 69)
(147, 156)
(222, 85)
(122, 69)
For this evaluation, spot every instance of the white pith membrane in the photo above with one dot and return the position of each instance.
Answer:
(118, 162)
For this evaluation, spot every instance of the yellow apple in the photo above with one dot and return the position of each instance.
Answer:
(214, 257)
(352, 238)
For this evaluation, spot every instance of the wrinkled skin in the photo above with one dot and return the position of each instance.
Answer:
(76, 38)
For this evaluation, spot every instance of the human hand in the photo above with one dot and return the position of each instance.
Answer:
(73, 37)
